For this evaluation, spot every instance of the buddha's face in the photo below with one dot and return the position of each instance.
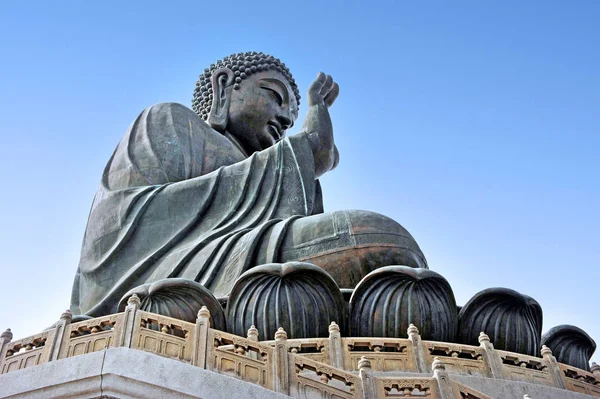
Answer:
(261, 110)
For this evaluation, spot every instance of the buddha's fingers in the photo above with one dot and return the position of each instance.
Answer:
(327, 86)
(332, 95)
(314, 91)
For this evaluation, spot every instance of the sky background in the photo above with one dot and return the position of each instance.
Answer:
(475, 124)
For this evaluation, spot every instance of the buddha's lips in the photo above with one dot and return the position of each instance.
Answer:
(275, 128)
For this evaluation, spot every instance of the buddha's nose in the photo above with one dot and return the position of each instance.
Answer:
(285, 121)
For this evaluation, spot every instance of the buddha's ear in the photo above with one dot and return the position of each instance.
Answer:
(222, 85)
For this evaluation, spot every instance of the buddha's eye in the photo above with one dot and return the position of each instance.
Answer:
(275, 94)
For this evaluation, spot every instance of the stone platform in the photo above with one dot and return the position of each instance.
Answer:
(137, 354)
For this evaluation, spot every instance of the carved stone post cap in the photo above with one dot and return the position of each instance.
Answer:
(66, 315)
(364, 363)
(134, 300)
(7, 335)
(412, 330)
(280, 335)
(333, 327)
(203, 313)
(546, 351)
(437, 364)
(253, 332)
(595, 367)
(483, 337)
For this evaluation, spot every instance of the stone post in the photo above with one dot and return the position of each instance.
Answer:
(491, 357)
(5, 339)
(253, 336)
(336, 351)
(417, 349)
(441, 375)
(129, 322)
(367, 379)
(281, 369)
(595, 369)
(555, 372)
(60, 335)
(200, 344)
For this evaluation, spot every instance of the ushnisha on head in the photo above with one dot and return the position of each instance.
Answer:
(250, 97)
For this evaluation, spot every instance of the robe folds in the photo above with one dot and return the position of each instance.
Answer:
(178, 199)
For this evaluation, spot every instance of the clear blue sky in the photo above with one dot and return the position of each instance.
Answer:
(474, 124)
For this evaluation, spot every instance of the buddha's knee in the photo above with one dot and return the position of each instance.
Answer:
(383, 240)
(351, 244)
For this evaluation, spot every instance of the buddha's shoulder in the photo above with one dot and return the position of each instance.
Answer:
(165, 120)
(179, 117)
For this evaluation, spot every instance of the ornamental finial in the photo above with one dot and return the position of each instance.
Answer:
(280, 334)
(483, 337)
(7, 335)
(437, 364)
(204, 312)
(134, 300)
(412, 330)
(546, 351)
(253, 333)
(364, 363)
(333, 327)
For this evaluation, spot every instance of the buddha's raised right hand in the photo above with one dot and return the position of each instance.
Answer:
(317, 125)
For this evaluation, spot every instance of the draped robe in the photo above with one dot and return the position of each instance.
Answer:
(178, 199)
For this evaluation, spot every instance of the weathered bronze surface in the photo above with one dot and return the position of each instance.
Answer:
(389, 299)
(512, 321)
(300, 297)
(570, 345)
(205, 197)
(178, 298)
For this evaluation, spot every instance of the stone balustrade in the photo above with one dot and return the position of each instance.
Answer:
(332, 367)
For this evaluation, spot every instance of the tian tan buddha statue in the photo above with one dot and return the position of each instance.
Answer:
(217, 206)
(202, 196)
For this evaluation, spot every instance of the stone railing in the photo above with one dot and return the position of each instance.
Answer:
(331, 367)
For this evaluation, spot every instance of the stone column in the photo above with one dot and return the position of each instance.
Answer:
(200, 344)
(367, 379)
(252, 335)
(441, 375)
(5, 339)
(281, 370)
(60, 335)
(129, 321)
(550, 362)
(491, 357)
(595, 369)
(336, 351)
(417, 349)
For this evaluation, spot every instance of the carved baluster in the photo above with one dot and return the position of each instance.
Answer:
(550, 362)
(367, 379)
(200, 343)
(417, 348)
(336, 352)
(281, 362)
(491, 357)
(441, 375)
(5, 339)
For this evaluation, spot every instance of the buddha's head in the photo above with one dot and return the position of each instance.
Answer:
(251, 96)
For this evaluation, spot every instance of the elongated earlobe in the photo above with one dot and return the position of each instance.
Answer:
(222, 85)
